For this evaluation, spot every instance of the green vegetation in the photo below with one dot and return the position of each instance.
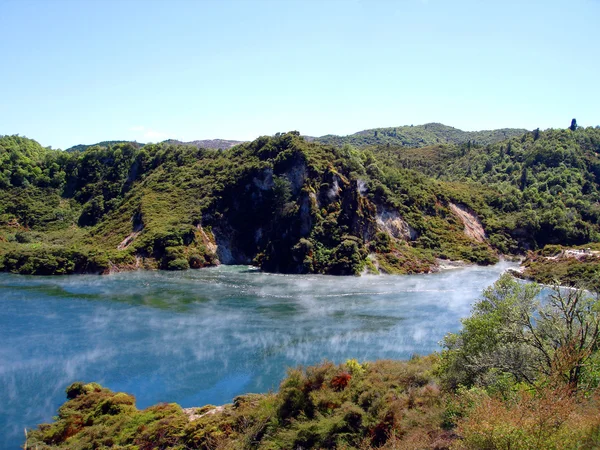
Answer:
(103, 144)
(522, 374)
(420, 136)
(294, 206)
(529, 368)
(544, 184)
(218, 144)
(556, 265)
(515, 337)
(326, 406)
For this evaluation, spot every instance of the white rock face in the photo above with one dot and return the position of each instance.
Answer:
(224, 249)
(473, 226)
(210, 245)
(392, 223)
(362, 187)
(137, 230)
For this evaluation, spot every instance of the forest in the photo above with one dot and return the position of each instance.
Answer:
(289, 205)
(420, 136)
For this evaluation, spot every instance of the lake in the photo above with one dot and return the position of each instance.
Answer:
(205, 336)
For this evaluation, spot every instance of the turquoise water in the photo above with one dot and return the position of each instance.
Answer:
(205, 336)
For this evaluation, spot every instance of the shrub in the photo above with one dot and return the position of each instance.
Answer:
(178, 264)
(355, 368)
(23, 238)
(340, 381)
(74, 390)
(549, 418)
(196, 261)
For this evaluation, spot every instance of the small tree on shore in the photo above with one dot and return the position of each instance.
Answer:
(515, 332)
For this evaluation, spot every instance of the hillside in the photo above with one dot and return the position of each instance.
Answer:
(547, 181)
(219, 144)
(103, 144)
(288, 205)
(403, 136)
(419, 136)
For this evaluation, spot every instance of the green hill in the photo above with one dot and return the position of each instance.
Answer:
(546, 182)
(220, 144)
(288, 205)
(103, 144)
(419, 136)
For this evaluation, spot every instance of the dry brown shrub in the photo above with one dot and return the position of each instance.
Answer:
(546, 419)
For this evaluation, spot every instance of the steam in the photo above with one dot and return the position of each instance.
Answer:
(334, 191)
(204, 336)
(362, 187)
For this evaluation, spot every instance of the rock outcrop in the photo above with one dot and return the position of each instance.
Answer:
(390, 221)
(138, 227)
(473, 226)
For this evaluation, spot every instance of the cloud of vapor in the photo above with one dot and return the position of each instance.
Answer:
(204, 336)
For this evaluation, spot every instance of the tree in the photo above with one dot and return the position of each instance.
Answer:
(566, 332)
(524, 178)
(487, 343)
(282, 193)
(514, 331)
(92, 211)
(489, 165)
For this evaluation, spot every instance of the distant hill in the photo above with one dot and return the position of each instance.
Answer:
(404, 136)
(419, 136)
(219, 144)
(103, 144)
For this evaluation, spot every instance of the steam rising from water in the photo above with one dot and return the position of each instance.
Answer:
(200, 337)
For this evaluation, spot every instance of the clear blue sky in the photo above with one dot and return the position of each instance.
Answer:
(84, 71)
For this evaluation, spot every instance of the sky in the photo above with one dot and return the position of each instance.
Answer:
(79, 72)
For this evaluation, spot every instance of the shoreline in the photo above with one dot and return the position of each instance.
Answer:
(440, 265)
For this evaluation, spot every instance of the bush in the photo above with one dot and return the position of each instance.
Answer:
(513, 334)
(382, 243)
(75, 390)
(551, 418)
(196, 261)
(23, 238)
(178, 264)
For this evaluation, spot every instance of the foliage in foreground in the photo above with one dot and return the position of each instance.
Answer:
(516, 335)
(382, 404)
(523, 373)
(547, 418)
